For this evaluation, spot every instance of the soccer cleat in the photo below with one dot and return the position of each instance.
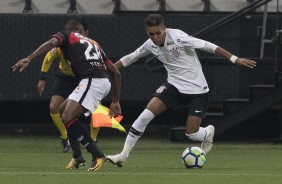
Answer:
(207, 143)
(97, 164)
(76, 163)
(116, 160)
(66, 145)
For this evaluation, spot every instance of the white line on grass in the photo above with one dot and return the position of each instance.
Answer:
(166, 174)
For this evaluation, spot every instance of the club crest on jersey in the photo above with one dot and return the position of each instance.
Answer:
(161, 89)
(175, 52)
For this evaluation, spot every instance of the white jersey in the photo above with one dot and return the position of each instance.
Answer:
(179, 59)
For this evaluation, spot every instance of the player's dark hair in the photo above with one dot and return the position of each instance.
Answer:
(72, 25)
(154, 20)
(84, 24)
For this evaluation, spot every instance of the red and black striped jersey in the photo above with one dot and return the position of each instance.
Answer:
(85, 56)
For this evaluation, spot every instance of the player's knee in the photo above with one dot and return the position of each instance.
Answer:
(54, 109)
(65, 117)
(61, 109)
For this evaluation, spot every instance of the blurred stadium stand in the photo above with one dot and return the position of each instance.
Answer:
(107, 6)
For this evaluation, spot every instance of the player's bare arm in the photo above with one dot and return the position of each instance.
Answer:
(115, 109)
(119, 64)
(238, 61)
(45, 47)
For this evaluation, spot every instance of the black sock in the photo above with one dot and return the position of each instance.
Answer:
(76, 131)
(75, 146)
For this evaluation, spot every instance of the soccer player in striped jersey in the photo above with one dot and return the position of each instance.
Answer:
(186, 87)
(65, 82)
(92, 66)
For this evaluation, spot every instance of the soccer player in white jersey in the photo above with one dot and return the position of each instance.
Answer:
(186, 87)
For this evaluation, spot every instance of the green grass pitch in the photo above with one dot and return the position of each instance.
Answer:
(39, 160)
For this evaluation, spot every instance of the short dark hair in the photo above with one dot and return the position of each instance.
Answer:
(154, 20)
(71, 25)
(84, 24)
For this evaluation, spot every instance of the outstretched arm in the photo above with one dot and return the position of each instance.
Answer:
(234, 59)
(47, 62)
(45, 47)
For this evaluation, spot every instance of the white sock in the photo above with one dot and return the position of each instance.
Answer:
(198, 136)
(136, 131)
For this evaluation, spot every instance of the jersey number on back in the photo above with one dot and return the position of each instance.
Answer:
(92, 51)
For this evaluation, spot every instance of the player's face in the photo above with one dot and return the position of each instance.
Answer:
(157, 34)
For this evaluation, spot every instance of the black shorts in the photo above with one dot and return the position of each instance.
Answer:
(193, 104)
(64, 85)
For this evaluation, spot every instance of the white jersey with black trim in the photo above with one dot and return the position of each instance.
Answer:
(179, 58)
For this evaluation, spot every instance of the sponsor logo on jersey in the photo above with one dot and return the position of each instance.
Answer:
(170, 42)
(185, 42)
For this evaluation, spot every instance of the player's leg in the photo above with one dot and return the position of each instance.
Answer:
(85, 98)
(61, 89)
(197, 110)
(77, 131)
(55, 103)
(193, 129)
(154, 108)
(197, 133)
(165, 96)
(77, 159)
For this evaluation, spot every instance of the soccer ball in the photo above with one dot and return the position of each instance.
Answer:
(193, 157)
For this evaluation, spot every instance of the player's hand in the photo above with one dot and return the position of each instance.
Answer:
(41, 86)
(245, 62)
(21, 64)
(115, 109)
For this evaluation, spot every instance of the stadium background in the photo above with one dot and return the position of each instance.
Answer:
(120, 34)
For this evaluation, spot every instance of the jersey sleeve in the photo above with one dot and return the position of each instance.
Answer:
(48, 60)
(105, 58)
(142, 51)
(185, 40)
(61, 36)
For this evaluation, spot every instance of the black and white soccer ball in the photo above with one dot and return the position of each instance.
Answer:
(193, 157)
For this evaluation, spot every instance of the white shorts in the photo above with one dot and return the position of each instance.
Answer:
(90, 92)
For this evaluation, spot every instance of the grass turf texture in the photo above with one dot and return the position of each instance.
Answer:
(39, 160)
